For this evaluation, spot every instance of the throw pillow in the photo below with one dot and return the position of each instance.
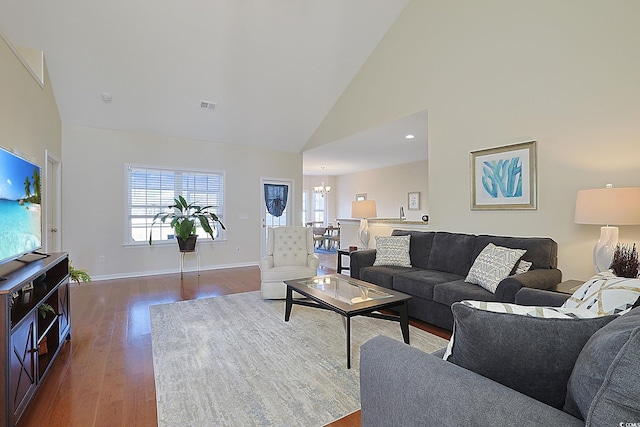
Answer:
(606, 293)
(530, 354)
(392, 250)
(590, 378)
(492, 265)
(523, 266)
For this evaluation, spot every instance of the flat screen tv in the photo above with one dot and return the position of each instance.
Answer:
(20, 213)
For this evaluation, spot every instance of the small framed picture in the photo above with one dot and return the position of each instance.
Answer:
(414, 201)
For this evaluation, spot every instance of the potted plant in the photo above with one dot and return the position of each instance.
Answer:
(183, 219)
(78, 275)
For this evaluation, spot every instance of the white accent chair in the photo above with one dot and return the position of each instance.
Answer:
(289, 256)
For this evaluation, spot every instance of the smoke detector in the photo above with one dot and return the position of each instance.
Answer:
(106, 97)
(207, 105)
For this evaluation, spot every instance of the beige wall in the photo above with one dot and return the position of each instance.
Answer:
(389, 187)
(29, 120)
(94, 198)
(493, 73)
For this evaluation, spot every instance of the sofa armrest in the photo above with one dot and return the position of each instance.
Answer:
(359, 259)
(538, 279)
(313, 261)
(266, 262)
(403, 386)
(539, 297)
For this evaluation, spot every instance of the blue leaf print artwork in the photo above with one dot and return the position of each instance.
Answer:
(502, 178)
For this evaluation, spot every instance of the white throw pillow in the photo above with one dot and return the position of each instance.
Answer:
(393, 250)
(492, 265)
(606, 293)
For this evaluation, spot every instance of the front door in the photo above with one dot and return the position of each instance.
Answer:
(269, 219)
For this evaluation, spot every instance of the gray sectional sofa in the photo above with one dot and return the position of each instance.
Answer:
(440, 262)
(598, 381)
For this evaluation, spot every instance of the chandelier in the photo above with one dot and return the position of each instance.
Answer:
(322, 189)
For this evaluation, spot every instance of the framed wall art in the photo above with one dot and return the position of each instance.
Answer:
(504, 177)
(414, 201)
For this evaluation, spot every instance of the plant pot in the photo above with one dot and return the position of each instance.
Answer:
(188, 245)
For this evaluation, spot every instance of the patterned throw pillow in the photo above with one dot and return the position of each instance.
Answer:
(393, 250)
(523, 266)
(606, 293)
(492, 265)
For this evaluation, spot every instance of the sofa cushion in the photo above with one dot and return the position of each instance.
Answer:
(532, 355)
(382, 275)
(392, 250)
(593, 367)
(606, 293)
(541, 251)
(421, 242)
(458, 290)
(452, 252)
(420, 283)
(493, 265)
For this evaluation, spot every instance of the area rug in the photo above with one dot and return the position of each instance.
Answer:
(233, 361)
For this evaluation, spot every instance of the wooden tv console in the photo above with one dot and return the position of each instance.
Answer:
(31, 334)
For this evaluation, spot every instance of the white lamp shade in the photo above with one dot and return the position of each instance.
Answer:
(364, 209)
(608, 206)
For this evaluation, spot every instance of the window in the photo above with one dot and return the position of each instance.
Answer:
(305, 206)
(319, 207)
(151, 190)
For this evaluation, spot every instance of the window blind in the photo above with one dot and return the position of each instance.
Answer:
(152, 190)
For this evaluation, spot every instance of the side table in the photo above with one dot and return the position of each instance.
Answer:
(342, 252)
(567, 287)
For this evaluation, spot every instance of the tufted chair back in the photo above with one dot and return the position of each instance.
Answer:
(289, 245)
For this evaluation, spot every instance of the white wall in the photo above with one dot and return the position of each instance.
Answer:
(94, 198)
(493, 73)
(389, 187)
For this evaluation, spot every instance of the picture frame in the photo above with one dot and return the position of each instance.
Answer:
(413, 201)
(504, 178)
(361, 196)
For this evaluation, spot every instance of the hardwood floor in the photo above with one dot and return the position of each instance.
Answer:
(104, 375)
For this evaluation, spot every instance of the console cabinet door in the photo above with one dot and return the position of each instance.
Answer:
(22, 368)
(64, 318)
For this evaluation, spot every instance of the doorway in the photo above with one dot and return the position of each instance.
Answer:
(52, 206)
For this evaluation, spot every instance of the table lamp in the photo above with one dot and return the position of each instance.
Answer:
(364, 209)
(608, 207)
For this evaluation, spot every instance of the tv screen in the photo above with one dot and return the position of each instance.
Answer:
(20, 213)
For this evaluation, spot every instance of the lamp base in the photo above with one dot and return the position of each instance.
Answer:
(363, 233)
(604, 249)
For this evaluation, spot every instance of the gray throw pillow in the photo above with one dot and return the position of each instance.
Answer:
(595, 361)
(532, 355)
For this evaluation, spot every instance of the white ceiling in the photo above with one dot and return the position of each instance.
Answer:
(275, 68)
(385, 145)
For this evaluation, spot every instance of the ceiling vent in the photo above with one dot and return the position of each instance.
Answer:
(206, 105)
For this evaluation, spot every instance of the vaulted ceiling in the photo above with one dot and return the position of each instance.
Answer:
(273, 68)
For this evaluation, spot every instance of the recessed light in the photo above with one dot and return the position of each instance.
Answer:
(409, 136)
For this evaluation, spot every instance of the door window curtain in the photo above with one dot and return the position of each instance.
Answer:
(275, 198)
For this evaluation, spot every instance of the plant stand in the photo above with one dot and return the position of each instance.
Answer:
(183, 254)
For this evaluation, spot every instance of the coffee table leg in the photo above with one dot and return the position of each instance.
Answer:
(404, 322)
(348, 342)
(289, 304)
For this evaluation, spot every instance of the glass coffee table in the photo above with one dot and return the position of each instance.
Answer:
(349, 297)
